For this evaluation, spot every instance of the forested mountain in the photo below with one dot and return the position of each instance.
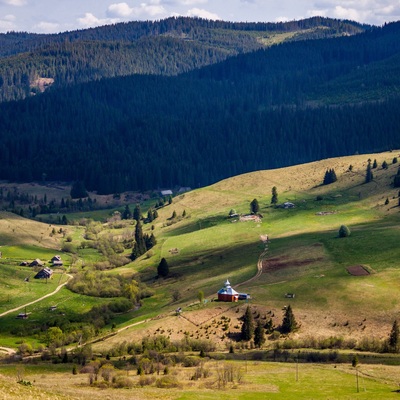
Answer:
(166, 47)
(253, 111)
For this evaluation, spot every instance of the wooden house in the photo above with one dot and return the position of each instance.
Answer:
(44, 273)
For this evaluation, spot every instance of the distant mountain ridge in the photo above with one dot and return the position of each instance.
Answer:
(167, 47)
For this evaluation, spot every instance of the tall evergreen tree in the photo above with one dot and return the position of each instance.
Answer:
(163, 268)
(247, 331)
(289, 323)
(259, 334)
(369, 176)
(330, 176)
(139, 247)
(137, 213)
(394, 337)
(127, 213)
(274, 198)
(254, 206)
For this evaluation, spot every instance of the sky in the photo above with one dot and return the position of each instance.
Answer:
(52, 16)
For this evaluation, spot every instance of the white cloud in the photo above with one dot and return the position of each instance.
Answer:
(193, 2)
(198, 12)
(371, 11)
(47, 27)
(282, 19)
(123, 10)
(16, 3)
(120, 10)
(7, 23)
(89, 20)
(349, 13)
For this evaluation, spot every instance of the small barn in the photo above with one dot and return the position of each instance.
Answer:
(36, 263)
(57, 261)
(44, 273)
(227, 293)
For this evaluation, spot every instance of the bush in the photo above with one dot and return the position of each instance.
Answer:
(167, 382)
(344, 231)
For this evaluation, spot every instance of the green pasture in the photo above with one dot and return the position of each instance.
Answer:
(28, 253)
(69, 305)
(278, 381)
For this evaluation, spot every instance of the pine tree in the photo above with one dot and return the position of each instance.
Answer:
(127, 213)
(248, 325)
(137, 213)
(254, 206)
(140, 244)
(150, 215)
(369, 176)
(274, 198)
(163, 268)
(394, 337)
(374, 165)
(384, 165)
(289, 323)
(330, 176)
(259, 334)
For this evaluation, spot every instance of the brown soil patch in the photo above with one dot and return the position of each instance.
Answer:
(277, 263)
(357, 270)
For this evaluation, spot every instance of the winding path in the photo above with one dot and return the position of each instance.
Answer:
(37, 300)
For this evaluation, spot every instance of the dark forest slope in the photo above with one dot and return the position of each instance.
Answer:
(250, 112)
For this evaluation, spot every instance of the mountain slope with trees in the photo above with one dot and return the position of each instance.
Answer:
(254, 111)
(166, 47)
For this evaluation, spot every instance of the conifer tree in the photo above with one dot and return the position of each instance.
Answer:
(254, 206)
(259, 334)
(137, 213)
(127, 213)
(248, 325)
(289, 323)
(369, 176)
(163, 268)
(394, 337)
(140, 244)
(274, 198)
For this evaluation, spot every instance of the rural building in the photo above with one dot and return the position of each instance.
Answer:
(227, 293)
(44, 273)
(56, 261)
(36, 263)
(166, 192)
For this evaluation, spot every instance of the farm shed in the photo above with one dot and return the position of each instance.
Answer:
(36, 263)
(44, 273)
(56, 261)
(227, 293)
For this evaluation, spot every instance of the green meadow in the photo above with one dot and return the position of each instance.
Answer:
(204, 247)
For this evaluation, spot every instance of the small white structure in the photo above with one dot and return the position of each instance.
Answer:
(166, 192)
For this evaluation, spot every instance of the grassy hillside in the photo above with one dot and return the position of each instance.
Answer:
(204, 247)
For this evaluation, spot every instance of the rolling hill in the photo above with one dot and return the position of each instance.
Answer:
(336, 309)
